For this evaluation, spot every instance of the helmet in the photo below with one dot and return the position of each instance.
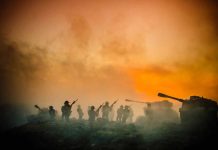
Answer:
(66, 102)
(92, 107)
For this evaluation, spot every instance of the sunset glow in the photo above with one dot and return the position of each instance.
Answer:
(103, 50)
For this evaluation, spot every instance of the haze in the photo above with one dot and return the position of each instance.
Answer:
(102, 50)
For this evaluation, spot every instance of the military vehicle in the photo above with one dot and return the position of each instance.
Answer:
(196, 110)
(156, 104)
(163, 103)
(162, 111)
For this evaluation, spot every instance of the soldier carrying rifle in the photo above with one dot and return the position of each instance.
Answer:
(106, 109)
(66, 109)
(93, 114)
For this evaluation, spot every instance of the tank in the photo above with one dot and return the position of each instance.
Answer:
(155, 104)
(162, 111)
(196, 110)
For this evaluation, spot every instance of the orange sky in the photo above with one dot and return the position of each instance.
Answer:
(103, 50)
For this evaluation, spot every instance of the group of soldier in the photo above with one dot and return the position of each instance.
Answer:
(154, 113)
(124, 113)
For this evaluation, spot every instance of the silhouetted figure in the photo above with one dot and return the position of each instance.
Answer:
(93, 114)
(120, 113)
(66, 110)
(80, 112)
(131, 114)
(149, 112)
(111, 114)
(88, 109)
(52, 113)
(105, 111)
(125, 114)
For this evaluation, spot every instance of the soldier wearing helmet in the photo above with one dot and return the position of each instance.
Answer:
(52, 112)
(105, 111)
(66, 110)
(93, 114)
(120, 113)
(125, 114)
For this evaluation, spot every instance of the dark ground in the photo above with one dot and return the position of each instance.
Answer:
(77, 135)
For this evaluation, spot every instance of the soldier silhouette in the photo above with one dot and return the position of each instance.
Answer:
(149, 112)
(93, 114)
(131, 114)
(80, 112)
(52, 112)
(125, 114)
(106, 110)
(66, 110)
(120, 113)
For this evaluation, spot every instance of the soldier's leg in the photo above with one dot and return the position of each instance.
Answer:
(68, 118)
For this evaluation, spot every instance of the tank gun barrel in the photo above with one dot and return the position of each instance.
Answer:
(167, 96)
(128, 100)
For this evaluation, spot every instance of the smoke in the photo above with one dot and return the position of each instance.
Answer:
(201, 62)
(97, 53)
(19, 64)
(81, 32)
(20, 67)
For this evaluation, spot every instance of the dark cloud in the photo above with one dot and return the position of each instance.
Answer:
(10, 8)
(18, 67)
(209, 8)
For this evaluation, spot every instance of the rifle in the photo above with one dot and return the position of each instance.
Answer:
(99, 107)
(74, 102)
(97, 111)
(114, 103)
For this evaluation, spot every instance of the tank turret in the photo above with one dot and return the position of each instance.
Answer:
(163, 103)
(196, 110)
(162, 111)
